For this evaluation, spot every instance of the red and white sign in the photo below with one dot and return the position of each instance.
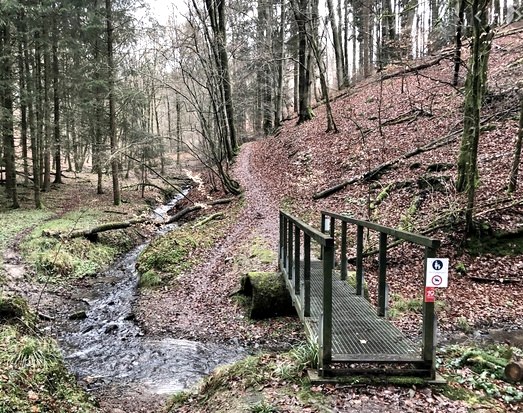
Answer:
(437, 272)
(430, 294)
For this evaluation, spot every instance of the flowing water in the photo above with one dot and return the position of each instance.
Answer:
(104, 346)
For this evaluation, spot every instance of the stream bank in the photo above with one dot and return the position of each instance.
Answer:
(105, 347)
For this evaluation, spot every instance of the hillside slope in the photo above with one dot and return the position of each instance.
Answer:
(381, 121)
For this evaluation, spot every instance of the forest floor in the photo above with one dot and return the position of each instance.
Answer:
(380, 120)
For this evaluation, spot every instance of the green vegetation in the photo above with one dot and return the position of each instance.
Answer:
(260, 251)
(407, 219)
(15, 311)
(15, 222)
(463, 325)
(58, 260)
(475, 374)
(382, 196)
(166, 257)
(401, 305)
(255, 373)
(33, 377)
(263, 407)
(496, 243)
(460, 268)
(351, 279)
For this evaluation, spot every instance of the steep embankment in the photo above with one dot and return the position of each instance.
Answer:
(412, 120)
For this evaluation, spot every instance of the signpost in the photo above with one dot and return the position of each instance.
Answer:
(437, 277)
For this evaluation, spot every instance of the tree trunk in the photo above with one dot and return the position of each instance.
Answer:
(331, 124)
(178, 129)
(35, 116)
(457, 50)
(6, 118)
(56, 103)
(474, 90)
(338, 50)
(514, 371)
(278, 99)
(513, 179)
(301, 15)
(367, 39)
(22, 79)
(216, 10)
(111, 97)
(46, 162)
(90, 233)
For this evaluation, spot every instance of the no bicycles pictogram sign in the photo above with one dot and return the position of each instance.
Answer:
(437, 272)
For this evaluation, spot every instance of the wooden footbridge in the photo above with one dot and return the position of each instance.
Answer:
(353, 336)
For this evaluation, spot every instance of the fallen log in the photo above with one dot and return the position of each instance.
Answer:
(204, 221)
(183, 212)
(377, 171)
(417, 68)
(91, 233)
(197, 207)
(514, 371)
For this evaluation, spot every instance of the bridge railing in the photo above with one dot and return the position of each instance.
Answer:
(295, 246)
(430, 245)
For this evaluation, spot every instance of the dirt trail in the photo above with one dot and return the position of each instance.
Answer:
(201, 307)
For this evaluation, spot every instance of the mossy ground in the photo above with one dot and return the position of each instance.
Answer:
(263, 383)
(59, 260)
(33, 377)
(499, 244)
(279, 382)
(168, 256)
(475, 374)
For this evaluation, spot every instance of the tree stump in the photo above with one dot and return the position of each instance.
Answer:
(268, 295)
(514, 371)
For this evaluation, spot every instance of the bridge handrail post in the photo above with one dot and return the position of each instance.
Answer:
(280, 238)
(322, 230)
(429, 322)
(283, 241)
(382, 281)
(359, 260)
(343, 250)
(306, 275)
(297, 246)
(290, 264)
(328, 264)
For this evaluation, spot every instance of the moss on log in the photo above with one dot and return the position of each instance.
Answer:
(15, 311)
(269, 296)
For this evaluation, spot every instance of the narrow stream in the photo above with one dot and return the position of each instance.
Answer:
(105, 347)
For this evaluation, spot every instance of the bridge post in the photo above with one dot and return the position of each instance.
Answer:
(382, 282)
(306, 275)
(343, 250)
(429, 322)
(328, 264)
(283, 240)
(359, 260)
(289, 250)
(297, 246)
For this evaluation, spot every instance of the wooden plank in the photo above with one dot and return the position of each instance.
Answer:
(407, 236)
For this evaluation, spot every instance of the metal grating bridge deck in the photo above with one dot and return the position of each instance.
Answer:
(359, 335)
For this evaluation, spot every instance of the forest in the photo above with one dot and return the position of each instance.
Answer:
(89, 85)
(407, 113)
